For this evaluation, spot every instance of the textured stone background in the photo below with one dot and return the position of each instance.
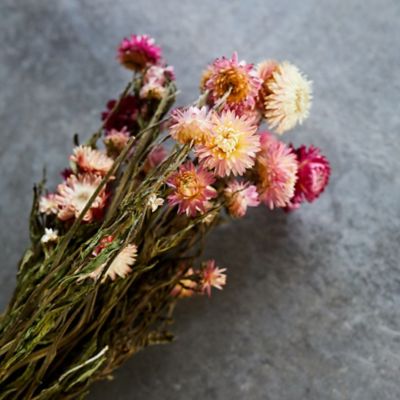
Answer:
(312, 309)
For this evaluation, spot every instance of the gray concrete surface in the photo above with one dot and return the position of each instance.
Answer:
(312, 308)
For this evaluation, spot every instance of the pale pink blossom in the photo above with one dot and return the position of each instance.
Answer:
(73, 195)
(240, 195)
(232, 146)
(91, 160)
(277, 172)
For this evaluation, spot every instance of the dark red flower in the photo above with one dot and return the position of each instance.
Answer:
(124, 116)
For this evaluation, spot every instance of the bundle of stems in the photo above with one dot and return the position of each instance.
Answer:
(97, 284)
(57, 335)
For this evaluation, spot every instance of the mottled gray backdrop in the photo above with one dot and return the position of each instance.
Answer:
(312, 306)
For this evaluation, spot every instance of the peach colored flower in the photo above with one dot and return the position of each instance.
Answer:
(236, 77)
(232, 146)
(240, 195)
(191, 189)
(277, 169)
(91, 160)
(212, 276)
(191, 124)
(73, 195)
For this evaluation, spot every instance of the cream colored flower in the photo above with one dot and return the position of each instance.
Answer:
(120, 266)
(50, 235)
(154, 202)
(48, 204)
(289, 98)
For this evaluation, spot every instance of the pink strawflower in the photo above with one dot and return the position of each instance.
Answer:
(186, 287)
(313, 175)
(277, 168)
(191, 189)
(156, 156)
(155, 81)
(48, 204)
(115, 141)
(138, 51)
(238, 77)
(240, 195)
(191, 124)
(124, 116)
(90, 160)
(232, 146)
(212, 276)
(73, 195)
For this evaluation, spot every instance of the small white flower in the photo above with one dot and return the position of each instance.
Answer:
(154, 202)
(50, 235)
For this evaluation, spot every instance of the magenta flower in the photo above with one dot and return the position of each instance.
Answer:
(313, 175)
(138, 52)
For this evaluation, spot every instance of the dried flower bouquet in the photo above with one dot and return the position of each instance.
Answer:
(117, 243)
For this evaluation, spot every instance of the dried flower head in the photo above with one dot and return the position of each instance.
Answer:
(240, 195)
(191, 124)
(156, 156)
(191, 189)
(313, 175)
(232, 146)
(212, 276)
(289, 97)
(73, 195)
(50, 236)
(120, 265)
(123, 116)
(91, 160)
(48, 204)
(277, 168)
(115, 141)
(154, 202)
(237, 78)
(138, 51)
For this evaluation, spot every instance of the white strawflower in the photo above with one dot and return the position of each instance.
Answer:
(50, 235)
(289, 97)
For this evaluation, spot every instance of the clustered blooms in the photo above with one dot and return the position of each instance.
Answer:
(232, 164)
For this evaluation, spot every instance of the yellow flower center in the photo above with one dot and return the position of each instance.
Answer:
(235, 80)
(225, 141)
(188, 185)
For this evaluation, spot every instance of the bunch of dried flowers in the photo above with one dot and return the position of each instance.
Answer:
(116, 244)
